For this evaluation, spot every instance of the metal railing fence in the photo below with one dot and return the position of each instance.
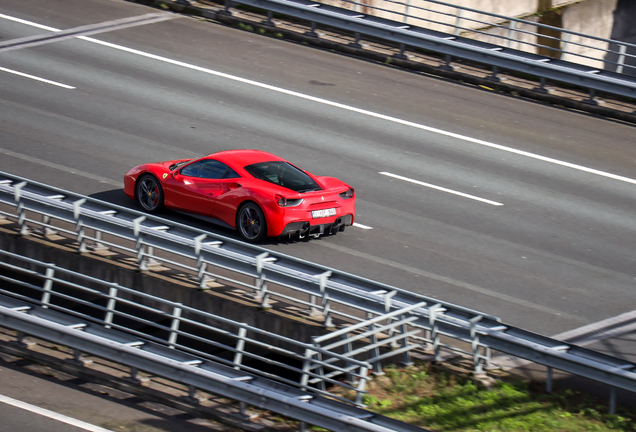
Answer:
(329, 292)
(189, 330)
(511, 32)
(195, 372)
(510, 45)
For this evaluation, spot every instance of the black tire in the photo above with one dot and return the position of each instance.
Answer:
(149, 193)
(250, 223)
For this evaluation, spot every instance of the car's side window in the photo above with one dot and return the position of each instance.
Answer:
(209, 169)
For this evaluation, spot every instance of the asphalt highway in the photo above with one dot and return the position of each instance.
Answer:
(491, 202)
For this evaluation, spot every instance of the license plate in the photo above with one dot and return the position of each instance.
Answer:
(323, 213)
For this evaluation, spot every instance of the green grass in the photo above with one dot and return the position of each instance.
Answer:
(448, 402)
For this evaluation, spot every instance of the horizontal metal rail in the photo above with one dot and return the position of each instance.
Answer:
(500, 57)
(204, 375)
(504, 30)
(328, 289)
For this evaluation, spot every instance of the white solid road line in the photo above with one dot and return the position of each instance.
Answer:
(33, 77)
(342, 106)
(52, 415)
(454, 192)
(356, 224)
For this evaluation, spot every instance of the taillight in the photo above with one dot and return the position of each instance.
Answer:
(347, 194)
(284, 202)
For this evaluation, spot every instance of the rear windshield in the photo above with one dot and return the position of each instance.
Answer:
(283, 174)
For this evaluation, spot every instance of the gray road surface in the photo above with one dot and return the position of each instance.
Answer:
(555, 255)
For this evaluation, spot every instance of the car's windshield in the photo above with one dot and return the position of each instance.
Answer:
(283, 174)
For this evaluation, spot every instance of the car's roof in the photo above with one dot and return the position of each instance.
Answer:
(244, 157)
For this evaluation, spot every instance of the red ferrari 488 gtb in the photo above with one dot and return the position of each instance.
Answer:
(252, 191)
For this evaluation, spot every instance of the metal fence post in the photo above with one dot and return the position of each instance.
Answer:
(347, 348)
(261, 284)
(110, 306)
(612, 401)
(388, 303)
(406, 356)
(565, 42)
(79, 225)
(48, 286)
(377, 365)
(326, 306)
(17, 196)
(201, 266)
(622, 49)
(548, 380)
(477, 358)
(458, 22)
(512, 30)
(174, 327)
(307, 367)
(432, 319)
(139, 242)
(362, 383)
(240, 347)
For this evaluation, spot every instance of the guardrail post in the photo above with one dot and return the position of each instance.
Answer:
(377, 365)
(612, 401)
(356, 43)
(512, 30)
(447, 66)
(139, 243)
(240, 347)
(48, 286)
(592, 99)
(432, 319)
(494, 76)
(548, 380)
(174, 327)
(79, 225)
(565, 41)
(226, 10)
(110, 306)
(401, 55)
(347, 348)
(406, 356)
(477, 357)
(201, 265)
(622, 49)
(458, 21)
(388, 303)
(407, 6)
(307, 367)
(326, 308)
(269, 21)
(312, 32)
(261, 285)
(17, 196)
(362, 383)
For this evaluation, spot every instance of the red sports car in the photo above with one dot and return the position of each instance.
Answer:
(253, 191)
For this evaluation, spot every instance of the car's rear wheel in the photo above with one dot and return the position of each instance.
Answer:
(251, 223)
(149, 193)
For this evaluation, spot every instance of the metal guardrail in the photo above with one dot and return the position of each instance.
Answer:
(521, 34)
(316, 288)
(193, 371)
(188, 330)
(509, 56)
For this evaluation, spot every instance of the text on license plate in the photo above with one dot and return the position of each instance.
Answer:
(323, 213)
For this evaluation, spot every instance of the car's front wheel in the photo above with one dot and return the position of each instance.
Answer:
(251, 223)
(149, 193)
